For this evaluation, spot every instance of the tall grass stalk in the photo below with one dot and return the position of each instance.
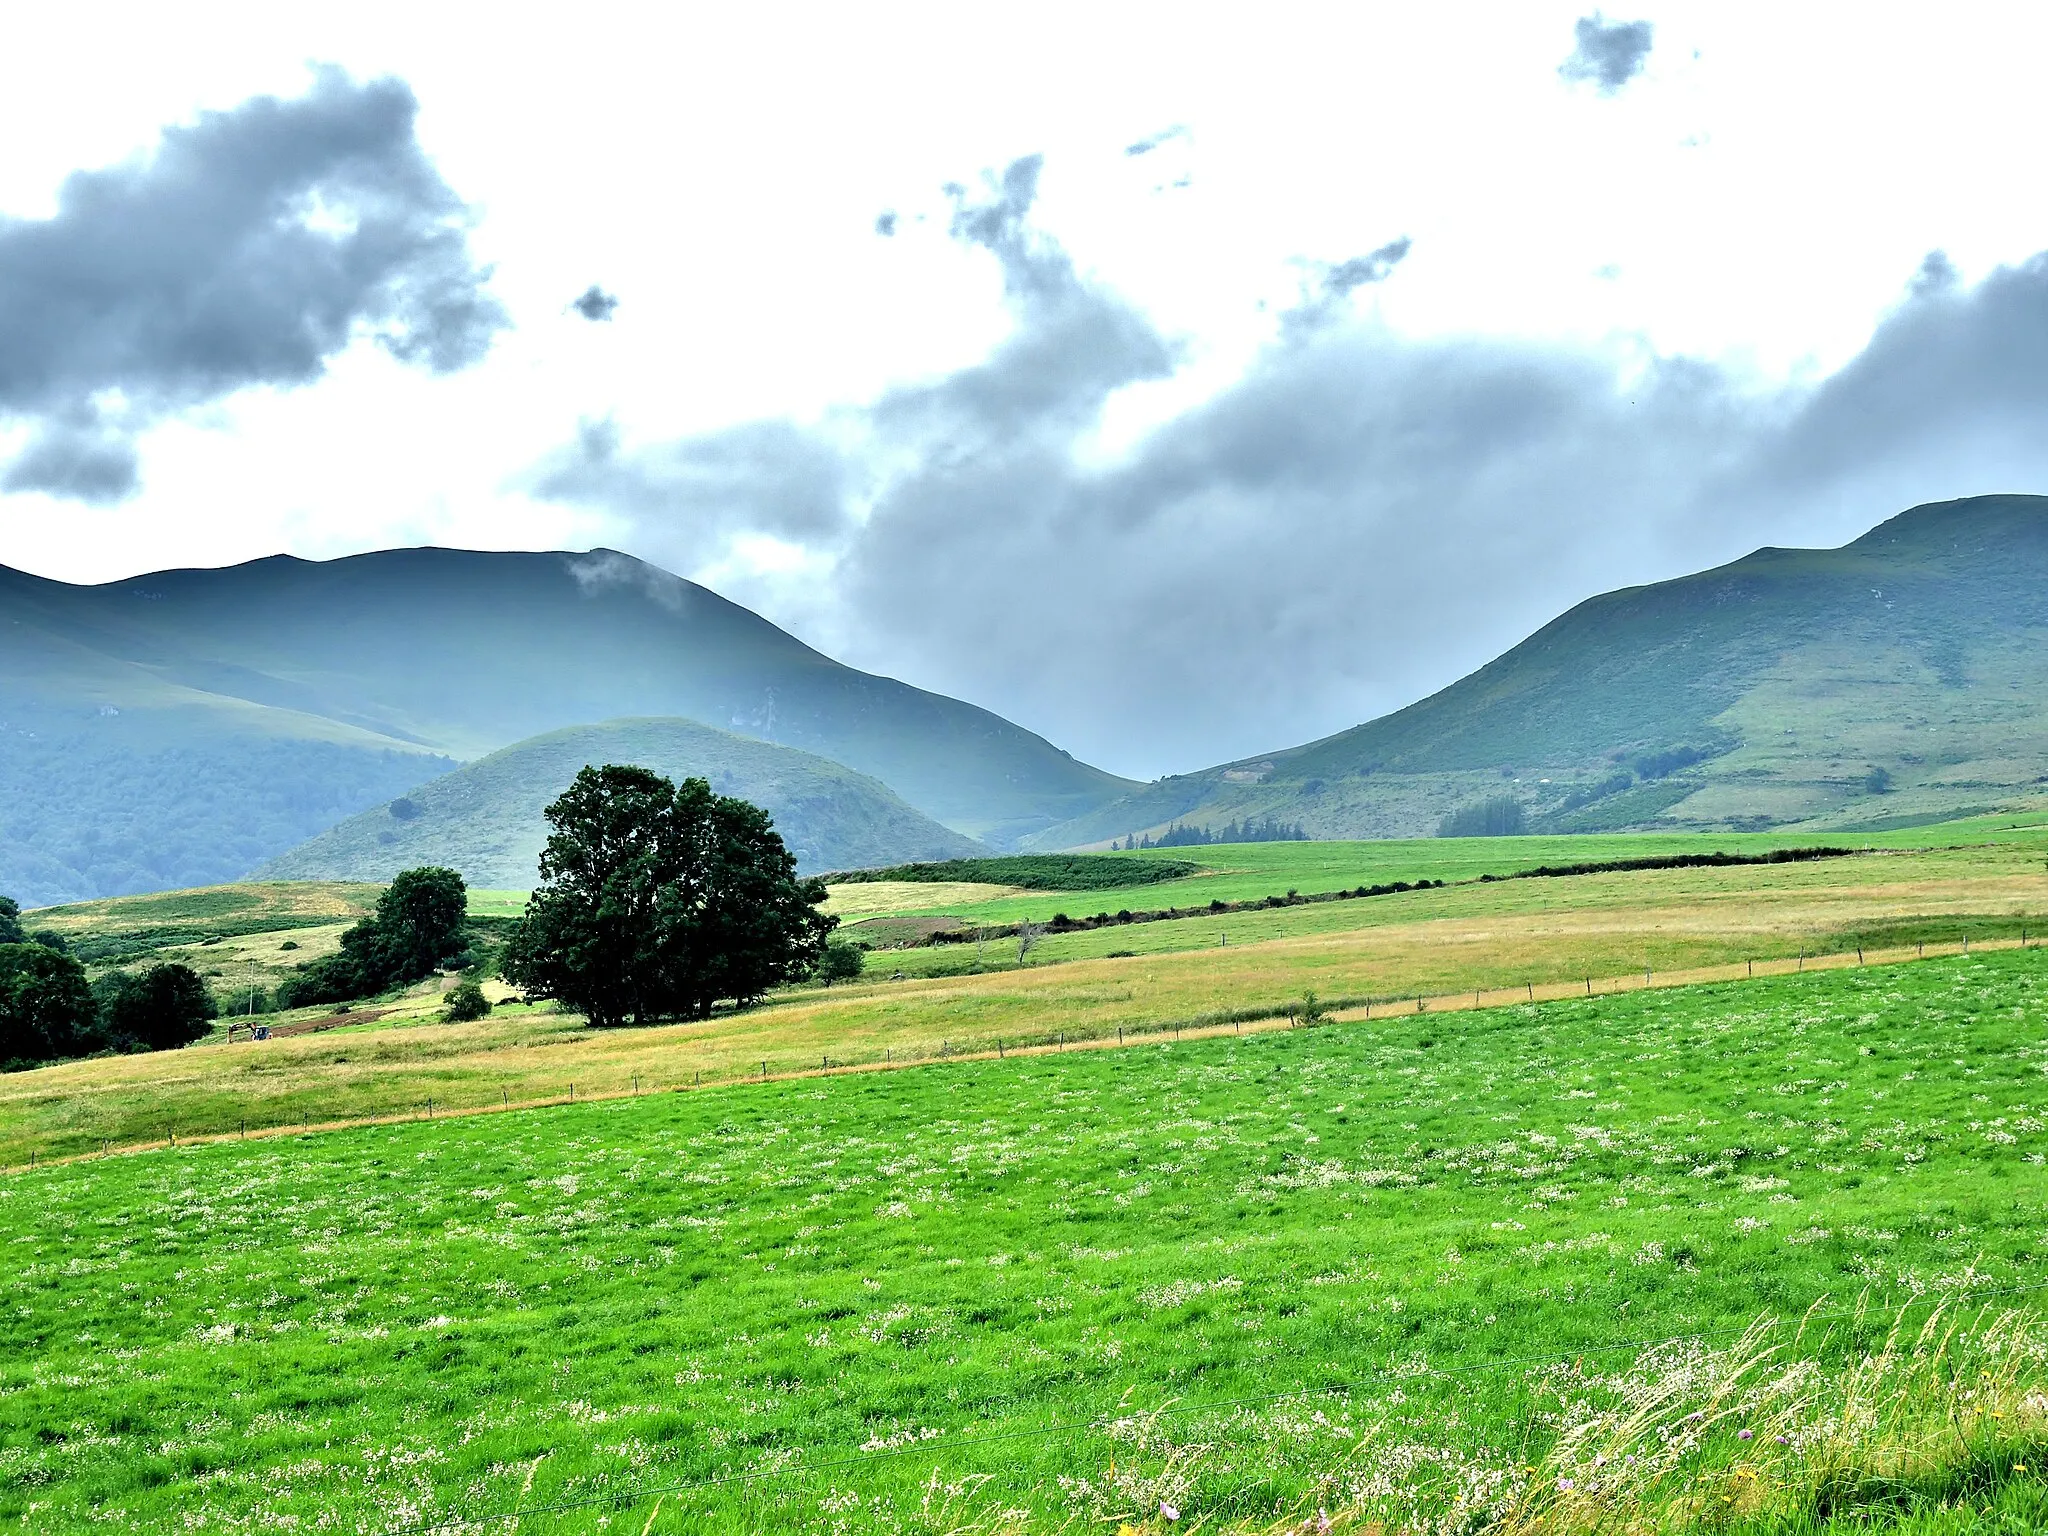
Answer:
(1786, 1428)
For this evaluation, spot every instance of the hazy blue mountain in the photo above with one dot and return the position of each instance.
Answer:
(486, 819)
(143, 708)
(1901, 677)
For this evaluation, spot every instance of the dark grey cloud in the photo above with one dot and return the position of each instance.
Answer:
(1353, 522)
(76, 456)
(1609, 54)
(885, 223)
(593, 303)
(248, 248)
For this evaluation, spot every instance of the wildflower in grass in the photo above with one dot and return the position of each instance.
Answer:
(1168, 1511)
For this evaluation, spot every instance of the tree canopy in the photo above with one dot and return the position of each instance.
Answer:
(418, 925)
(659, 899)
(46, 1006)
(159, 1009)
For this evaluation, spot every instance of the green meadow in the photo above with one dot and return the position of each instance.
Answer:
(1394, 1271)
(1254, 871)
(1502, 938)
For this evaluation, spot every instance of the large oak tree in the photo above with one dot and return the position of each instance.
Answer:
(658, 900)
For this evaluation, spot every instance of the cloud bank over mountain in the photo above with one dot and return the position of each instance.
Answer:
(248, 249)
(1355, 520)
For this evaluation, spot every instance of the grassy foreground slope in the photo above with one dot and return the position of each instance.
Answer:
(486, 820)
(1760, 693)
(1045, 1292)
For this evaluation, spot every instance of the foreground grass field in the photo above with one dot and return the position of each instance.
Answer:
(1059, 1291)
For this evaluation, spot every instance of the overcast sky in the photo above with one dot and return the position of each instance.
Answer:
(1180, 383)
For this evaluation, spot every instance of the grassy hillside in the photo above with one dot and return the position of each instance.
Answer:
(1240, 872)
(1409, 1272)
(112, 803)
(1505, 939)
(1898, 678)
(232, 713)
(486, 821)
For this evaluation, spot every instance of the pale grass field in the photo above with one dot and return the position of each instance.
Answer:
(1502, 941)
(885, 897)
(312, 901)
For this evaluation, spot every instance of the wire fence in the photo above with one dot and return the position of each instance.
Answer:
(1275, 1014)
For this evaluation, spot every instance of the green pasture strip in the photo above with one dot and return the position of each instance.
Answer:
(1033, 871)
(385, 1327)
(497, 903)
(1253, 871)
(1708, 884)
(1064, 922)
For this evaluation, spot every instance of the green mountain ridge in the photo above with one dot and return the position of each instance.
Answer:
(180, 727)
(486, 818)
(1901, 677)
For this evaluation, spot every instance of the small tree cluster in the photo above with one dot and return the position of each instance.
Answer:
(12, 931)
(418, 925)
(658, 900)
(1271, 830)
(1501, 816)
(50, 1012)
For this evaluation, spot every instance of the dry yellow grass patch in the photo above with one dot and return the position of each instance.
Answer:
(886, 898)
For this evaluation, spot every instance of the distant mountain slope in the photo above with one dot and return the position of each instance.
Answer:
(486, 821)
(1902, 676)
(151, 694)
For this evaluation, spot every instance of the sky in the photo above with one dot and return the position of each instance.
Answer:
(1182, 384)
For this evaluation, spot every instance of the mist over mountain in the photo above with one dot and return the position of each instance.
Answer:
(1902, 677)
(486, 819)
(189, 701)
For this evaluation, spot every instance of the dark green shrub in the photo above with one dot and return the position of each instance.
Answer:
(335, 979)
(464, 1002)
(842, 961)
(1034, 871)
